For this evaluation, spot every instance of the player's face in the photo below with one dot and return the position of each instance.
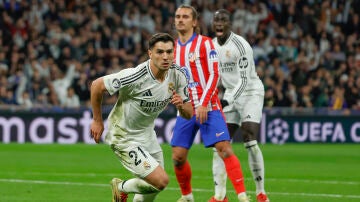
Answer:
(184, 21)
(221, 24)
(162, 55)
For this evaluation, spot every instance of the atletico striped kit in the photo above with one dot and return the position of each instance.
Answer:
(199, 59)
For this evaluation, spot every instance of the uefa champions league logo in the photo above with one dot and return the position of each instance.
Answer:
(278, 131)
(116, 83)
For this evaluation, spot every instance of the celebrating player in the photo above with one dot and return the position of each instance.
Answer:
(242, 102)
(144, 92)
(197, 56)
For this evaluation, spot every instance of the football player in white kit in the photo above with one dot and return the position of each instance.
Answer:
(143, 93)
(242, 101)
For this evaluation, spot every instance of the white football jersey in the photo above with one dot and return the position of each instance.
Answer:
(141, 99)
(237, 68)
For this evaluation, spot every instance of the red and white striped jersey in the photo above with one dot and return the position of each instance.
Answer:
(199, 59)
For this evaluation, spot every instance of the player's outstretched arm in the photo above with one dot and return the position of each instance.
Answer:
(97, 125)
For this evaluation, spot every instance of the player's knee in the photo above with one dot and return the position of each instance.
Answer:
(178, 159)
(248, 135)
(162, 183)
(179, 155)
(249, 131)
(227, 152)
(224, 149)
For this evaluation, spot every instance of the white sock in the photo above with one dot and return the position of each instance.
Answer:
(242, 196)
(188, 196)
(137, 185)
(256, 163)
(144, 197)
(219, 174)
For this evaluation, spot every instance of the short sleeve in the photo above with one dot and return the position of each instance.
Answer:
(183, 90)
(113, 82)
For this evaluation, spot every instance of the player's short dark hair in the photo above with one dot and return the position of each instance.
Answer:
(224, 11)
(163, 37)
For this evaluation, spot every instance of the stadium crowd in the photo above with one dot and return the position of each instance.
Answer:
(307, 52)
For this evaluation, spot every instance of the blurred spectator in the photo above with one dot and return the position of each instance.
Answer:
(337, 100)
(62, 81)
(7, 97)
(305, 97)
(81, 87)
(72, 100)
(25, 101)
(238, 17)
(304, 50)
(255, 13)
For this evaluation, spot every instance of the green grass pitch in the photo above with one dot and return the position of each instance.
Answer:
(294, 173)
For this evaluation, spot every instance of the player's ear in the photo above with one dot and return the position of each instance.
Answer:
(195, 23)
(149, 53)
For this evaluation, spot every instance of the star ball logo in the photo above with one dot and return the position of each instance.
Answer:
(116, 83)
(278, 131)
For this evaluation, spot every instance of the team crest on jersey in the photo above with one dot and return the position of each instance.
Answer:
(227, 54)
(213, 55)
(116, 83)
(171, 87)
(192, 57)
(146, 165)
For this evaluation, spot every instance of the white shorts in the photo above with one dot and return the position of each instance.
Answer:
(138, 160)
(247, 108)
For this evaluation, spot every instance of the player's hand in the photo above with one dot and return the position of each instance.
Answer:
(201, 114)
(224, 103)
(177, 100)
(96, 130)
